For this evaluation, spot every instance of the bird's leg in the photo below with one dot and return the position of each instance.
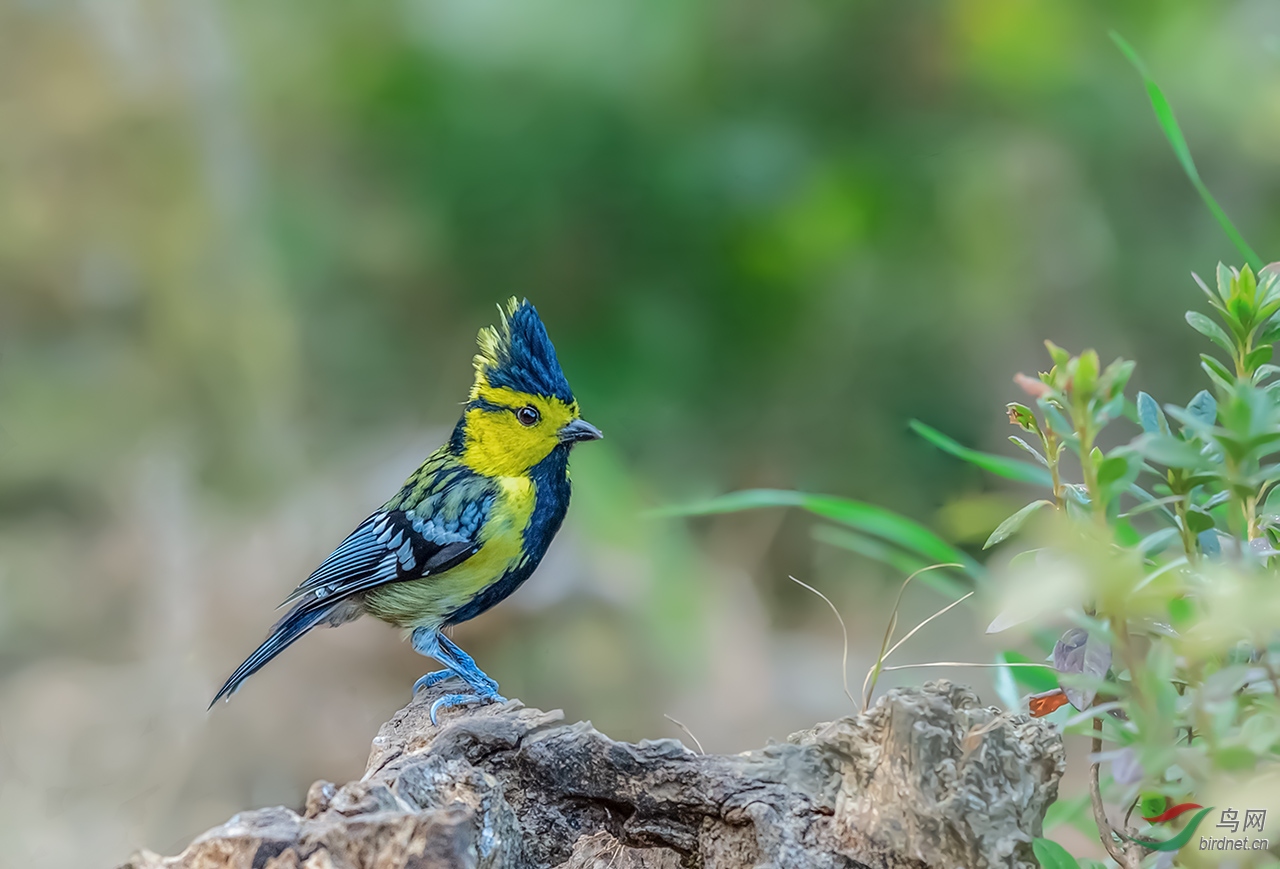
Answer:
(465, 666)
(426, 641)
(458, 663)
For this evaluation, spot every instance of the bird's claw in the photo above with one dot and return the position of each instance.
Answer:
(431, 679)
(450, 700)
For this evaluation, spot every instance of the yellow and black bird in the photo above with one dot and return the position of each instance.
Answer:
(468, 527)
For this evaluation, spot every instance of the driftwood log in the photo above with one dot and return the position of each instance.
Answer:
(926, 778)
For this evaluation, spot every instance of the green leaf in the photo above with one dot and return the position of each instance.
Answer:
(1217, 372)
(1169, 451)
(1036, 679)
(1198, 520)
(1203, 407)
(867, 518)
(1019, 442)
(1258, 357)
(1271, 331)
(1011, 469)
(1210, 330)
(1057, 354)
(1086, 380)
(1052, 855)
(1021, 416)
(1150, 417)
(1213, 297)
(1113, 469)
(1156, 541)
(1009, 526)
(1265, 371)
(1173, 133)
(1116, 376)
(869, 547)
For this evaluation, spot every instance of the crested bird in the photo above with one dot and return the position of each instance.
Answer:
(468, 526)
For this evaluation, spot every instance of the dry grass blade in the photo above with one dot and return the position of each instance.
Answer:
(682, 726)
(869, 683)
(844, 656)
(940, 612)
(962, 664)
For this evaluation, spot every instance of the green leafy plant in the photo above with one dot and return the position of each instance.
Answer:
(1160, 555)
(1158, 559)
(1164, 558)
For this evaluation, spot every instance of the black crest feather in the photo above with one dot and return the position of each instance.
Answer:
(516, 353)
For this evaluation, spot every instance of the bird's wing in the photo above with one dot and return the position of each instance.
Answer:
(397, 543)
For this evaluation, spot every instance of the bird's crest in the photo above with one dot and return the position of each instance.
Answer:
(517, 354)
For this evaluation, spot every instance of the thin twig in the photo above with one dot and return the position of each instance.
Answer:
(682, 726)
(844, 657)
(1105, 832)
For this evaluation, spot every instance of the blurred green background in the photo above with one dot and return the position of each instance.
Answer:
(245, 249)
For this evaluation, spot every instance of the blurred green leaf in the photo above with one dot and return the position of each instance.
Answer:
(1233, 758)
(1203, 407)
(1115, 468)
(1010, 526)
(1170, 451)
(1035, 679)
(1011, 469)
(868, 518)
(1087, 368)
(1052, 855)
(1156, 541)
(1058, 422)
(877, 550)
(1198, 520)
(1172, 132)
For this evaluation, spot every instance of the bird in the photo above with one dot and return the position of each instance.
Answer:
(467, 528)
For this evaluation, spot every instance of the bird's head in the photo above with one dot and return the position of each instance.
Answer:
(520, 408)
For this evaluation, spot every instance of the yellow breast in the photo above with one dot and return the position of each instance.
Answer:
(426, 602)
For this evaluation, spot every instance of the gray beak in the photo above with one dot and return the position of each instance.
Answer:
(579, 430)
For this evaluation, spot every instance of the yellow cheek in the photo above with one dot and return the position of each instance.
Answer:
(498, 446)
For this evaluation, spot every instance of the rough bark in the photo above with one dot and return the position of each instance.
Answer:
(926, 778)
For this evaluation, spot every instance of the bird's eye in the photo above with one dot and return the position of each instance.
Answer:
(527, 415)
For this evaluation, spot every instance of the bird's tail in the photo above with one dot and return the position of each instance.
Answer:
(302, 618)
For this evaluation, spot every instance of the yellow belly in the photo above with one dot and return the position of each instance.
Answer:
(428, 601)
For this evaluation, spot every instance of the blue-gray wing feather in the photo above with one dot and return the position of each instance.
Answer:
(396, 544)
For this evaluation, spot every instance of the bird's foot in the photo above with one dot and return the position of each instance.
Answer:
(433, 679)
(450, 700)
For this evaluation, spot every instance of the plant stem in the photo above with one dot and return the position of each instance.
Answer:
(1188, 539)
(1051, 455)
(1105, 831)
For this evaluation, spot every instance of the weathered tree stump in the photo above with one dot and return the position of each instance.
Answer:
(926, 778)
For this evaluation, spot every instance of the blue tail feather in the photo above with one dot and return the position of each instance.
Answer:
(302, 618)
